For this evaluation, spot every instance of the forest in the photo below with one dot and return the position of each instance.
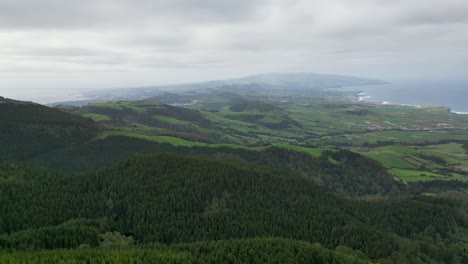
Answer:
(69, 195)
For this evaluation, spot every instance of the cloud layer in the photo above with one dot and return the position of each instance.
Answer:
(122, 42)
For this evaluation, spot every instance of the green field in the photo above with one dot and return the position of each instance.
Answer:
(406, 140)
(97, 117)
(421, 163)
(316, 152)
(171, 120)
(173, 140)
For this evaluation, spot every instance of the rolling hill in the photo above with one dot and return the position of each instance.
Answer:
(228, 182)
(172, 199)
(28, 129)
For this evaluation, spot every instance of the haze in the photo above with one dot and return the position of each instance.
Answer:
(66, 46)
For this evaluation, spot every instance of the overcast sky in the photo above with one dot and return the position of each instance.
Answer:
(120, 43)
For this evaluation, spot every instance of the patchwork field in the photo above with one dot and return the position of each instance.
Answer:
(414, 144)
(416, 163)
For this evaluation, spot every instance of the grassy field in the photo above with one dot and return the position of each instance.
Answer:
(406, 140)
(416, 175)
(316, 152)
(170, 120)
(415, 163)
(173, 140)
(97, 117)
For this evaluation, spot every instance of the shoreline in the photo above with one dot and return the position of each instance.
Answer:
(362, 97)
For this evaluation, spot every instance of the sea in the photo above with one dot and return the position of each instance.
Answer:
(44, 96)
(452, 94)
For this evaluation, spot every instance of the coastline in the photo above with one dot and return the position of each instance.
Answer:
(362, 97)
(450, 94)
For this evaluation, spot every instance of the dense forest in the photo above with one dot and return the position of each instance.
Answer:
(350, 174)
(67, 195)
(28, 129)
(173, 199)
(256, 250)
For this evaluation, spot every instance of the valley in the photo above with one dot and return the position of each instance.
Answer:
(305, 175)
(404, 139)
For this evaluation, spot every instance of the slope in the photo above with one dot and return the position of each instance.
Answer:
(174, 199)
(28, 129)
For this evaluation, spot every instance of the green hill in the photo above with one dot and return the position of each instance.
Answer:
(28, 129)
(173, 199)
(245, 106)
(251, 181)
(344, 172)
(261, 113)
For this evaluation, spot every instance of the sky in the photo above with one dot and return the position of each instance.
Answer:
(56, 46)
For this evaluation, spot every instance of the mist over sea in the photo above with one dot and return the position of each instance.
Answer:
(44, 95)
(453, 94)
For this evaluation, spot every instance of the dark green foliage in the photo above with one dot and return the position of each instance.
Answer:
(352, 175)
(206, 210)
(143, 111)
(263, 250)
(115, 240)
(465, 146)
(28, 129)
(437, 186)
(257, 250)
(173, 199)
(357, 175)
(433, 159)
(98, 154)
(7, 100)
(70, 234)
(85, 256)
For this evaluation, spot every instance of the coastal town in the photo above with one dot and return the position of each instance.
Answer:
(434, 128)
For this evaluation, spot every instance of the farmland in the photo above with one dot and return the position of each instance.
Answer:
(413, 143)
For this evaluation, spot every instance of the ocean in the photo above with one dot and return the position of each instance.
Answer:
(44, 96)
(453, 94)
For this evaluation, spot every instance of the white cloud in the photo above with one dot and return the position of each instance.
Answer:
(171, 41)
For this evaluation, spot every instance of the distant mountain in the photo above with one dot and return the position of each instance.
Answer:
(300, 80)
(264, 81)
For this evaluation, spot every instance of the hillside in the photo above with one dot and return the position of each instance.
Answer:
(151, 118)
(261, 113)
(406, 140)
(173, 199)
(322, 180)
(343, 173)
(28, 129)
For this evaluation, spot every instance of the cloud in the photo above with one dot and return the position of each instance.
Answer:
(157, 40)
(441, 13)
(58, 14)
